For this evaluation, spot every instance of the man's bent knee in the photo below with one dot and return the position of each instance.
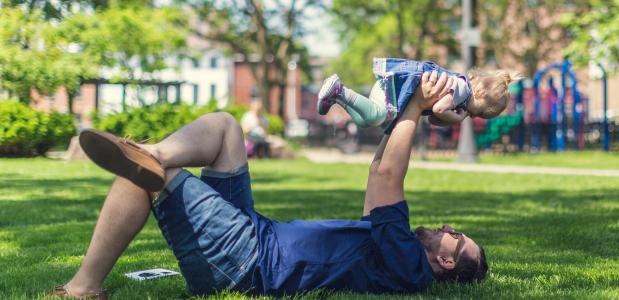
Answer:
(223, 118)
(232, 153)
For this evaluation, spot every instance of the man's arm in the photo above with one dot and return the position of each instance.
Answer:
(387, 172)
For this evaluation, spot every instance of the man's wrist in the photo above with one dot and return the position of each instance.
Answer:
(413, 110)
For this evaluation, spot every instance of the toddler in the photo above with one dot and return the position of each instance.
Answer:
(481, 94)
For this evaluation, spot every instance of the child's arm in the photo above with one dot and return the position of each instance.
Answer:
(448, 118)
(444, 104)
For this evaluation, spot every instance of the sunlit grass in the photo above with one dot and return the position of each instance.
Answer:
(567, 159)
(545, 236)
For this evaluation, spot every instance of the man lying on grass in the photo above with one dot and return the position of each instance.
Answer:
(222, 243)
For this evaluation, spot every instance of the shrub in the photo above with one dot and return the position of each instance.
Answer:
(60, 130)
(26, 132)
(158, 121)
(154, 122)
(276, 124)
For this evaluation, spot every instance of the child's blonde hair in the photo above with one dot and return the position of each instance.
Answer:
(490, 92)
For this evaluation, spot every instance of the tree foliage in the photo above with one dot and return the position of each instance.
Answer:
(596, 34)
(134, 41)
(43, 48)
(32, 54)
(395, 28)
(265, 31)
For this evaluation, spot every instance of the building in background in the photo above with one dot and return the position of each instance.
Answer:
(245, 88)
(207, 77)
(197, 80)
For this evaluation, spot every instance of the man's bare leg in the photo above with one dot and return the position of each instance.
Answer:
(213, 140)
(122, 216)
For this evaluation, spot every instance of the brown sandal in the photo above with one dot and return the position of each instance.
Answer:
(62, 292)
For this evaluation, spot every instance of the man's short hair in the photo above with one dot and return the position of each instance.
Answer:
(467, 269)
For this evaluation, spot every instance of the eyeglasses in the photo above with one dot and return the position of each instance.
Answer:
(458, 236)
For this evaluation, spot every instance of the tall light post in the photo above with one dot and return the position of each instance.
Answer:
(467, 150)
(606, 140)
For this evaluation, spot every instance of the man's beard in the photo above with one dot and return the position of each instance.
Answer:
(423, 233)
(425, 237)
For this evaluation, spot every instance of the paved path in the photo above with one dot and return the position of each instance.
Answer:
(336, 156)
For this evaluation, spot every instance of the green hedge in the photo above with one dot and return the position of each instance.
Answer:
(158, 121)
(27, 132)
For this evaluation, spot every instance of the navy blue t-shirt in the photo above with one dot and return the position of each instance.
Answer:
(378, 254)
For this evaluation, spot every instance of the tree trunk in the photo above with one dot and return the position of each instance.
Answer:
(401, 33)
(264, 85)
(70, 97)
(24, 96)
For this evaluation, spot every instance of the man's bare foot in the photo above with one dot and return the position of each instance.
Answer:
(71, 292)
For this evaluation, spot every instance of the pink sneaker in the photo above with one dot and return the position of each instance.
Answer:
(331, 88)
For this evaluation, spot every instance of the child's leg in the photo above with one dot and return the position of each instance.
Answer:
(362, 108)
(364, 112)
(357, 118)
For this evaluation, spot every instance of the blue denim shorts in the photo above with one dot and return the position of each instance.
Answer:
(208, 224)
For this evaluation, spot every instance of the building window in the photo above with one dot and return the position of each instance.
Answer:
(213, 91)
(196, 90)
(195, 63)
(490, 57)
(213, 62)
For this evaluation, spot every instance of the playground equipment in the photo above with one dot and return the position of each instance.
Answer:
(558, 110)
(542, 113)
(548, 112)
(606, 141)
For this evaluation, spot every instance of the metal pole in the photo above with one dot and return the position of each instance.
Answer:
(467, 149)
(124, 98)
(560, 129)
(520, 110)
(535, 135)
(606, 142)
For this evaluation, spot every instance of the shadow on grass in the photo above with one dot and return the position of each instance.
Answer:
(21, 182)
(46, 234)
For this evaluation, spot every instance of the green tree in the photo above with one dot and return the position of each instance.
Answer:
(595, 32)
(33, 56)
(396, 28)
(265, 30)
(60, 9)
(133, 40)
(136, 41)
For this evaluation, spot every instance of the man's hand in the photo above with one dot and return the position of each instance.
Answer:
(432, 88)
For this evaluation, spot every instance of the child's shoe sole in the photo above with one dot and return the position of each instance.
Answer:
(331, 87)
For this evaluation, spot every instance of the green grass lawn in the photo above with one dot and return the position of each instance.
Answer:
(545, 236)
(568, 159)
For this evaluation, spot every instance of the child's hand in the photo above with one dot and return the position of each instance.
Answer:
(445, 103)
(448, 118)
(432, 88)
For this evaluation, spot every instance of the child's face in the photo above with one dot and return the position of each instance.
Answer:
(484, 105)
(476, 104)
